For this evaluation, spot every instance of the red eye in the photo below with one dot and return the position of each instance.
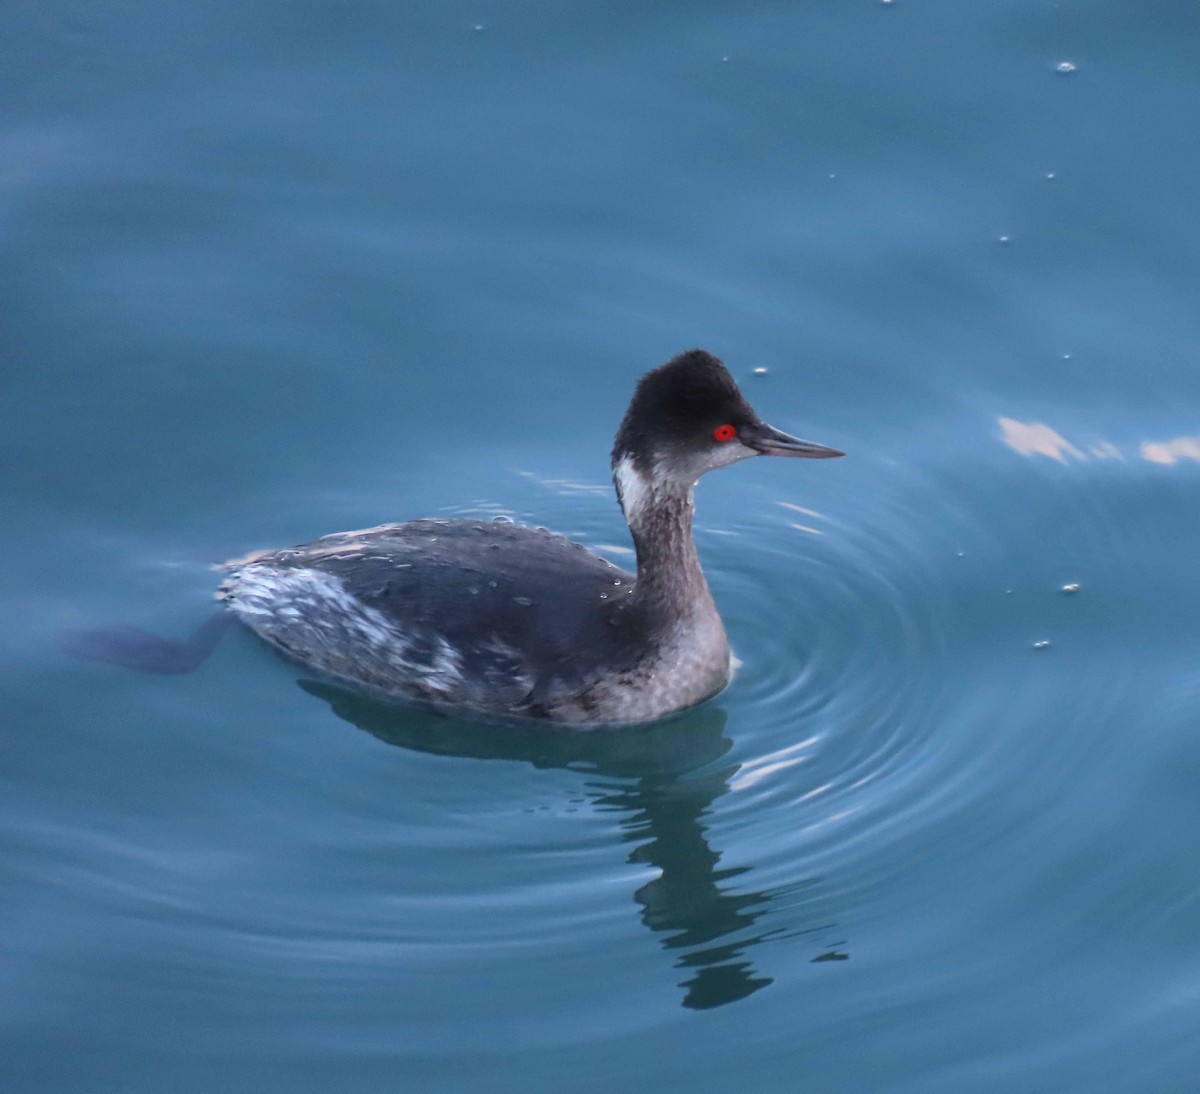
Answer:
(724, 433)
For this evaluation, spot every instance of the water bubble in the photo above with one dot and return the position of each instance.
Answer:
(760, 372)
(477, 28)
(604, 596)
(1006, 239)
(1064, 68)
(1051, 175)
(493, 584)
(524, 601)
(1066, 356)
(725, 58)
(502, 519)
(1042, 644)
(1073, 587)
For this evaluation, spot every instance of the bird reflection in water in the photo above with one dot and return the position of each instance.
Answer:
(662, 781)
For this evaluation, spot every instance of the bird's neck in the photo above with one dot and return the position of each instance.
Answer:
(670, 579)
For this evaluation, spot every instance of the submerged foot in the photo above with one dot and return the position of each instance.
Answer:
(132, 648)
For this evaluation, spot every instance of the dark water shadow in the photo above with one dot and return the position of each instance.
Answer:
(661, 782)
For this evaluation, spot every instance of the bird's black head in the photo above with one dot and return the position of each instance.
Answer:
(679, 404)
(688, 417)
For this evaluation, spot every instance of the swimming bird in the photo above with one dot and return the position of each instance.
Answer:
(513, 624)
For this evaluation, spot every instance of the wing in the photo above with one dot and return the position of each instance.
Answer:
(482, 613)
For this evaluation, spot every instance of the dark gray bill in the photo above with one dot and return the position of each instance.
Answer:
(769, 441)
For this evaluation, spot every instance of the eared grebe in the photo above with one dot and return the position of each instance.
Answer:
(503, 621)
(498, 621)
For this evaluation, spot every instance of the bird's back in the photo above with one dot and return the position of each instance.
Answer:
(487, 615)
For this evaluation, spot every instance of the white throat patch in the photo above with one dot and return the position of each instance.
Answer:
(635, 490)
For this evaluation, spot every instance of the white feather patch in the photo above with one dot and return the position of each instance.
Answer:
(317, 619)
(634, 489)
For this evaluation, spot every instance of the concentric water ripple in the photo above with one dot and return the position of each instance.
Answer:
(888, 690)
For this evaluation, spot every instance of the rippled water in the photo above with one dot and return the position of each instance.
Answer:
(276, 270)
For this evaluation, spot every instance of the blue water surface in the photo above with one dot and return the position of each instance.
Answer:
(275, 269)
